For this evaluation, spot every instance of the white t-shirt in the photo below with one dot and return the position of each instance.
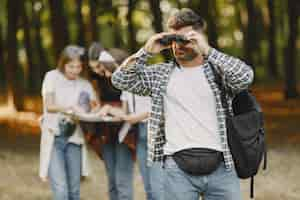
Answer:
(190, 112)
(142, 104)
(67, 93)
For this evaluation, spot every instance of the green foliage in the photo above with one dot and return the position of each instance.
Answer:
(229, 17)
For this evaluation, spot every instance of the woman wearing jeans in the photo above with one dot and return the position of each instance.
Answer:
(63, 151)
(117, 156)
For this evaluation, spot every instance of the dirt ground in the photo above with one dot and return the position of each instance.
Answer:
(19, 168)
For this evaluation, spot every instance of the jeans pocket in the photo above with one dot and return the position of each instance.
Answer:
(170, 163)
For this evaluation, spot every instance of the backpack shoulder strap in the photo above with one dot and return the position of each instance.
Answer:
(252, 187)
(219, 82)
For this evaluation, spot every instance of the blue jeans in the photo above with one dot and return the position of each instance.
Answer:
(152, 176)
(65, 169)
(119, 168)
(220, 185)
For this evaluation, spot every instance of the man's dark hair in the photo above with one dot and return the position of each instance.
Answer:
(94, 51)
(186, 17)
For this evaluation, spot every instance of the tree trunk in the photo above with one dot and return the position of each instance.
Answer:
(117, 30)
(272, 57)
(238, 17)
(212, 25)
(259, 58)
(250, 38)
(2, 71)
(157, 24)
(131, 30)
(208, 10)
(93, 20)
(32, 72)
(14, 91)
(291, 51)
(59, 26)
(157, 15)
(80, 31)
(42, 65)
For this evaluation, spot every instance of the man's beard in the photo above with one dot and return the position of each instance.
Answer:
(188, 55)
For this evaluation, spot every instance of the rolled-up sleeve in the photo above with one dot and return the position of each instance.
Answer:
(237, 74)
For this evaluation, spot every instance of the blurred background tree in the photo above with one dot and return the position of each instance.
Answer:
(265, 33)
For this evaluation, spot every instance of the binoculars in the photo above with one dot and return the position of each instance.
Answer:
(168, 39)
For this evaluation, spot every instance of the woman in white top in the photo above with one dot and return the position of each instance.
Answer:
(63, 151)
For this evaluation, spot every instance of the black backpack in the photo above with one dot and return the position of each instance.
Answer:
(245, 132)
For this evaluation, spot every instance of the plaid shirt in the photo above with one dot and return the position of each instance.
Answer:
(152, 80)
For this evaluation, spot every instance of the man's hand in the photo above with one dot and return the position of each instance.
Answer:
(200, 42)
(153, 46)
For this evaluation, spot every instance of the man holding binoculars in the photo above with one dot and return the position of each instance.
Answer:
(187, 129)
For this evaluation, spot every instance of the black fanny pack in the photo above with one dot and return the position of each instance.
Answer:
(198, 161)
